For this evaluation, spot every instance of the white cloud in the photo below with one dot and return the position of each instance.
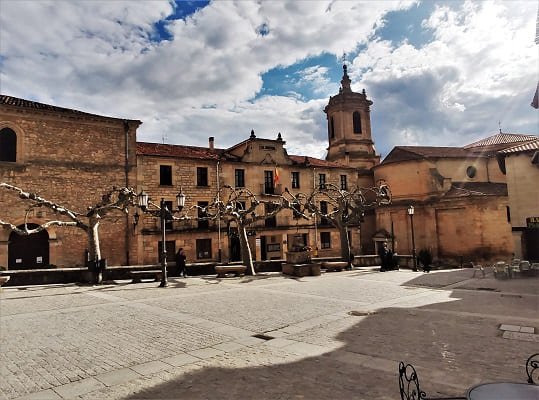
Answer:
(479, 68)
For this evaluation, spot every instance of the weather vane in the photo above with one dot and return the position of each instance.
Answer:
(343, 57)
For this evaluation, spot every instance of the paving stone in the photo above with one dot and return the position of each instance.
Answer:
(527, 329)
(150, 367)
(208, 352)
(118, 376)
(229, 346)
(48, 394)
(75, 389)
(180, 359)
(511, 328)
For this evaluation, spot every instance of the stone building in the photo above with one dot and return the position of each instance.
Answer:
(520, 164)
(261, 165)
(68, 157)
(462, 210)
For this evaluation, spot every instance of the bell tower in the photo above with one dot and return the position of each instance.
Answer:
(349, 129)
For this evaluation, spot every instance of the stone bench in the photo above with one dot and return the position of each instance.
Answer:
(301, 269)
(137, 276)
(334, 265)
(223, 270)
(3, 280)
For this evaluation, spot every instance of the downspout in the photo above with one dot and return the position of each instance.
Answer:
(219, 216)
(315, 218)
(127, 230)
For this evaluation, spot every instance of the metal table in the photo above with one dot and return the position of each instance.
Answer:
(504, 391)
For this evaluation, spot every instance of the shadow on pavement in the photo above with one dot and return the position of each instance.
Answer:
(451, 350)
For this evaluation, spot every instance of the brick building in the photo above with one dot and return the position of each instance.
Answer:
(69, 157)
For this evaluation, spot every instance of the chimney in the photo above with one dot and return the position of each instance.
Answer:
(211, 143)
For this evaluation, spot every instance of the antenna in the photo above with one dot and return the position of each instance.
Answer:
(343, 58)
(164, 137)
(500, 126)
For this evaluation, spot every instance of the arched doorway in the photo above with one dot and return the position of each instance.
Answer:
(28, 251)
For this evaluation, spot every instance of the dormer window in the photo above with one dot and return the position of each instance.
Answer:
(357, 122)
(8, 145)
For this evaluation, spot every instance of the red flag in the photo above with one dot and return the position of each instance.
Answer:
(276, 177)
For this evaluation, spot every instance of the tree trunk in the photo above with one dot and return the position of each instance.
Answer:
(246, 255)
(95, 251)
(345, 245)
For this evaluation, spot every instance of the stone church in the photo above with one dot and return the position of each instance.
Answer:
(460, 195)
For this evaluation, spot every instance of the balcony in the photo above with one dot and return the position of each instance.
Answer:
(271, 190)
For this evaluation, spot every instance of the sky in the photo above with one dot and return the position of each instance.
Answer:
(439, 73)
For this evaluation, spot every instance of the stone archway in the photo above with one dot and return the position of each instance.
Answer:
(28, 251)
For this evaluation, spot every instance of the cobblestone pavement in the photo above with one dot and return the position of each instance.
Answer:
(337, 336)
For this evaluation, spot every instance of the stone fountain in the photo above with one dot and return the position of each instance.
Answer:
(298, 259)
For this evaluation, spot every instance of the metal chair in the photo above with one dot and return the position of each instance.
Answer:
(532, 369)
(409, 385)
(501, 269)
(477, 268)
(524, 266)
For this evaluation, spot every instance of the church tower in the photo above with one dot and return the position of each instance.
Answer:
(349, 129)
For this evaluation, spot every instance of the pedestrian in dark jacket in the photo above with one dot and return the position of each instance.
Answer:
(385, 257)
(180, 262)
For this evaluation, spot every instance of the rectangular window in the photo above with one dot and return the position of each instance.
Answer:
(268, 182)
(323, 210)
(170, 247)
(295, 180)
(202, 223)
(344, 184)
(203, 248)
(325, 240)
(168, 224)
(239, 178)
(270, 222)
(322, 181)
(165, 175)
(202, 176)
(508, 212)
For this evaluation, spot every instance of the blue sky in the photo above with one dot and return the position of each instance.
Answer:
(439, 72)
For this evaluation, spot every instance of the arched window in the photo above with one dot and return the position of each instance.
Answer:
(332, 128)
(357, 122)
(8, 145)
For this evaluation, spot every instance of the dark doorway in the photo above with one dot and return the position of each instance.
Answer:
(235, 248)
(263, 252)
(28, 251)
(531, 245)
(170, 248)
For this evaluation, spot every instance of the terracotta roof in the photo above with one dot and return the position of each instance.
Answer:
(405, 153)
(22, 103)
(171, 150)
(467, 189)
(532, 145)
(501, 139)
(316, 162)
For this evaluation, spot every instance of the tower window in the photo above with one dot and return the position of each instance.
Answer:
(8, 145)
(357, 122)
(332, 128)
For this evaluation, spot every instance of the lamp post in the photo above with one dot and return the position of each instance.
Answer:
(411, 214)
(164, 214)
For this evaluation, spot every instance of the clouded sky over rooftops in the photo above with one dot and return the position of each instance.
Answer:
(439, 73)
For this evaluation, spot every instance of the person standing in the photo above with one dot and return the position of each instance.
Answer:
(180, 262)
(384, 254)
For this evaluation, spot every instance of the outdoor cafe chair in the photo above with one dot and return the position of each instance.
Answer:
(532, 369)
(501, 269)
(524, 266)
(409, 385)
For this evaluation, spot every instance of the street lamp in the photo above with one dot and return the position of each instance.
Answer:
(411, 214)
(164, 214)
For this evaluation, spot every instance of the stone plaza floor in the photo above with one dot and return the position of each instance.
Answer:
(336, 336)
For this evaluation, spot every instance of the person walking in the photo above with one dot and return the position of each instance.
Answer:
(180, 262)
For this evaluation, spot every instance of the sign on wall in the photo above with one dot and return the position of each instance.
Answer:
(532, 222)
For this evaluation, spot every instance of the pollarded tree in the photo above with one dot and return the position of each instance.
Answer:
(117, 199)
(243, 208)
(344, 208)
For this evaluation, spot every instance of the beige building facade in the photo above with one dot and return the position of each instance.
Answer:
(472, 203)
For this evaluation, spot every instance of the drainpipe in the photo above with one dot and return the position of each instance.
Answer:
(315, 218)
(219, 217)
(127, 230)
